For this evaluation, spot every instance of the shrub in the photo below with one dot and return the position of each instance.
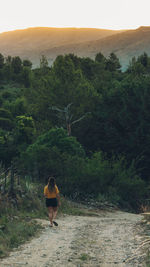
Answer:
(97, 176)
(47, 154)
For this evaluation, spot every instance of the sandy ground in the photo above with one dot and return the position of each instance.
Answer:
(104, 239)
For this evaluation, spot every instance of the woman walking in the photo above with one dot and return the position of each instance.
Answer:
(51, 194)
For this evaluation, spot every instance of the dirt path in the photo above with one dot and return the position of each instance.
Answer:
(106, 239)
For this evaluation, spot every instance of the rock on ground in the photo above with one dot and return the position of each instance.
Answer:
(106, 239)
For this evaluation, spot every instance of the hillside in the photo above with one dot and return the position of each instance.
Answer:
(125, 45)
(33, 42)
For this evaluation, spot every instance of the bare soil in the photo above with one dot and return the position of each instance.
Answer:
(100, 238)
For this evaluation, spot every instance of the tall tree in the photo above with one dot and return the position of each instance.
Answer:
(67, 116)
(112, 63)
(1, 61)
(16, 65)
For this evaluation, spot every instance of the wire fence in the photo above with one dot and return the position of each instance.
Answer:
(8, 178)
(145, 207)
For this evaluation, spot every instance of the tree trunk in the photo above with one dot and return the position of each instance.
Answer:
(69, 129)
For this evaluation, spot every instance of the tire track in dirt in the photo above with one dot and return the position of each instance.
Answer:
(106, 239)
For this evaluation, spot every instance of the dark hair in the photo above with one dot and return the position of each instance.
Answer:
(51, 184)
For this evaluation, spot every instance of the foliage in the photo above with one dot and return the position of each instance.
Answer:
(17, 218)
(108, 153)
(97, 175)
(66, 116)
(47, 153)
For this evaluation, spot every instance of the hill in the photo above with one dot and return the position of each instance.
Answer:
(125, 45)
(31, 43)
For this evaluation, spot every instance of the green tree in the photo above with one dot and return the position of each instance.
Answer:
(27, 63)
(6, 119)
(26, 76)
(44, 69)
(143, 59)
(100, 58)
(63, 68)
(1, 61)
(8, 68)
(25, 131)
(112, 63)
(88, 68)
(7, 148)
(66, 116)
(49, 152)
(16, 64)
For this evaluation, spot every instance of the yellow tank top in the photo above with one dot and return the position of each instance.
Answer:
(49, 194)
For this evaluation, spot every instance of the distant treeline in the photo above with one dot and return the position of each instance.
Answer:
(84, 121)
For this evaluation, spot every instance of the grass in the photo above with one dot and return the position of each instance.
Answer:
(76, 209)
(17, 224)
(15, 231)
(16, 217)
(71, 208)
(84, 257)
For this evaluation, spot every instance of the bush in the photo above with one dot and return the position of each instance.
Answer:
(55, 153)
(114, 180)
(47, 154)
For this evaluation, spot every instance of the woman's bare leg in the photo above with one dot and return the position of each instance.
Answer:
(54, 212)
(51, 214)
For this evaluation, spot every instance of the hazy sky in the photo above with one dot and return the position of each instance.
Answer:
(110, 14)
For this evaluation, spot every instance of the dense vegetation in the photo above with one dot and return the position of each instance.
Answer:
(84, 121)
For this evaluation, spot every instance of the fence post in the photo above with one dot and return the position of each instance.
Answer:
(5, 181)
(11, 180)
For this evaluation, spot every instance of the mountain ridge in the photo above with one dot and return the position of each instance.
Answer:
(32, 43)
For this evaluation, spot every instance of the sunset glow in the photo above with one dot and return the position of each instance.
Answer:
(106, 14)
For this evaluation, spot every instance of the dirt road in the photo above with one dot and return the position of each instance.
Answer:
(104, 239)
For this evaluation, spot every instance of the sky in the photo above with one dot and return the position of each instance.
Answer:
(103, 14)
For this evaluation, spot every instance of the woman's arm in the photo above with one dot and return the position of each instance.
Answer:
(45, 192)
(58, 198)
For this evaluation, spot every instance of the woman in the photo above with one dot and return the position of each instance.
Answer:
(51, 194)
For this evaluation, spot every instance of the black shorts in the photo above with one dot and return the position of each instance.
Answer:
(51, 202)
